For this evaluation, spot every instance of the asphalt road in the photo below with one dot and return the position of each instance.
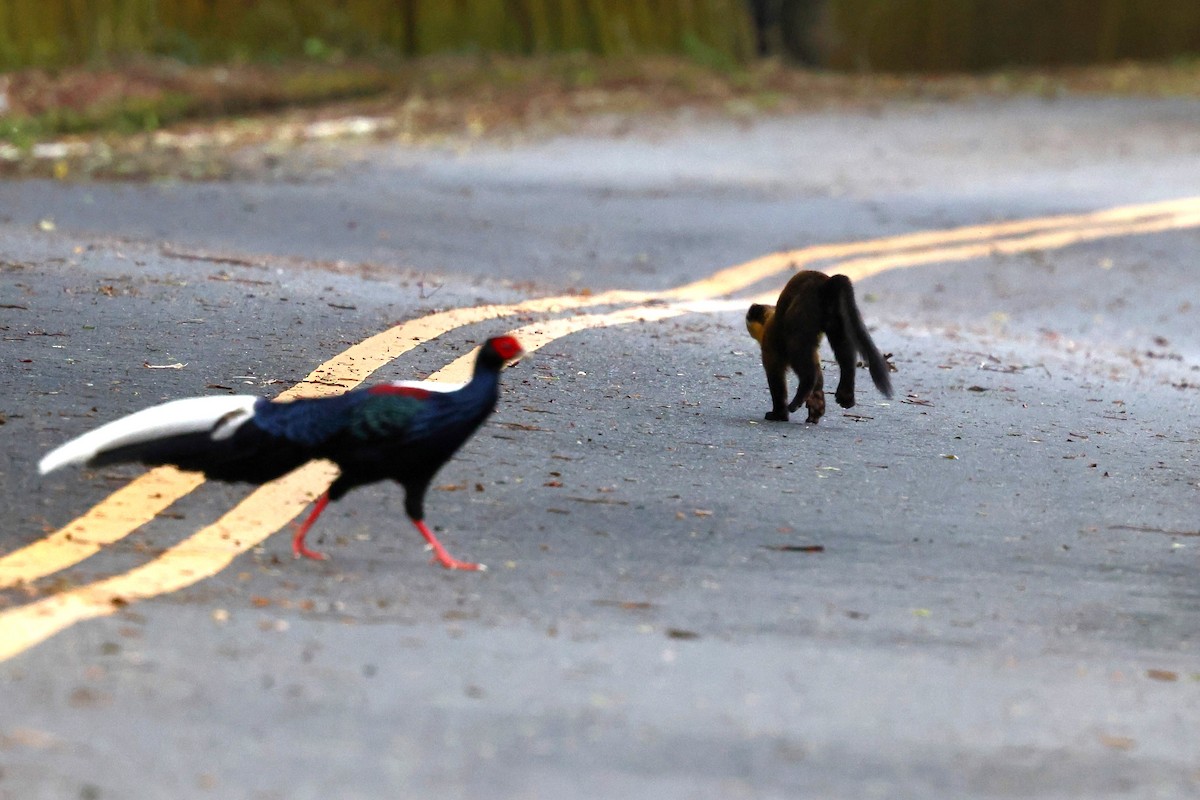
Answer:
(985, 587)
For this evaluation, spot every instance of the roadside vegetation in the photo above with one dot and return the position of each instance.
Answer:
(160, 118)
(55, 33)
(213, 88)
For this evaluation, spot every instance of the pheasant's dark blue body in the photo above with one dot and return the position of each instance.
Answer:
(390, 431)
(386, 431)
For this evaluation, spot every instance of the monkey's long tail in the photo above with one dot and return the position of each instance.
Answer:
(857, 332)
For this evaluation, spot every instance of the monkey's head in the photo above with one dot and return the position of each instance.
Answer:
(757, 318)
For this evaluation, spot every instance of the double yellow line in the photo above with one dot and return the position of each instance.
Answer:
(274, 505)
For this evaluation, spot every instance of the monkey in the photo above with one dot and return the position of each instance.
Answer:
(789, 334)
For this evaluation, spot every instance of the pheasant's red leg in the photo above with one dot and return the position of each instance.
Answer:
(298, 546)
(439, 552)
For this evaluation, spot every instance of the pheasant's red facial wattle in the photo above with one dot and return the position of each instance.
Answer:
(507, 347)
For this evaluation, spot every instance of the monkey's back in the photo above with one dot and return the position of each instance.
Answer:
(802, 311)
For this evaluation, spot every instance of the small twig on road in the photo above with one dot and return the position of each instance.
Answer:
(237, 262)
(426, 295)
(1147, 529)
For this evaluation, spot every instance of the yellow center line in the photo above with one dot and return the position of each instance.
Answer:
(357, 363)
(900, 246)
(859, 269)
(199, 556)
(122, 512)
(273, 505)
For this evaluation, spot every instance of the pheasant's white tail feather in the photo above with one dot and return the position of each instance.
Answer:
(222, 415)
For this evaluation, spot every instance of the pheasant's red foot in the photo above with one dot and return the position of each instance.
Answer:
(450, 563)
(298, 547)
(440, 556)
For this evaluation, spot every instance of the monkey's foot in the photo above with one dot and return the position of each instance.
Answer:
(816, 406)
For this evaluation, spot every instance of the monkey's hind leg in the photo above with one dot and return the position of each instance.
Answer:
(797, 401)
(816, 398)
(777, 383)
(847, 359)
(811, 390)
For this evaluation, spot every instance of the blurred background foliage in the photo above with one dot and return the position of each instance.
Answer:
(48, 33)
(282, 71)
(886, 35)
(975, 35)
